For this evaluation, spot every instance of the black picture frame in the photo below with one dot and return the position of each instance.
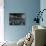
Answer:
(16, 19)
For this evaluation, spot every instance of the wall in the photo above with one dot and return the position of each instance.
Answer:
(29, 7)
(1, 21)
(43, 6)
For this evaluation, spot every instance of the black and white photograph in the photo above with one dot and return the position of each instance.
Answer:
(16, 19)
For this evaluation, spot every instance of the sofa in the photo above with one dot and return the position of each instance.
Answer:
(39, 37)
(39, 33)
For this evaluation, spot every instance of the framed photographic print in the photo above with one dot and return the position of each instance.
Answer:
(16, 19)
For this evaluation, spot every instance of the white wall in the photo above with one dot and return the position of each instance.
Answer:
(1, 21)
(43, 6)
